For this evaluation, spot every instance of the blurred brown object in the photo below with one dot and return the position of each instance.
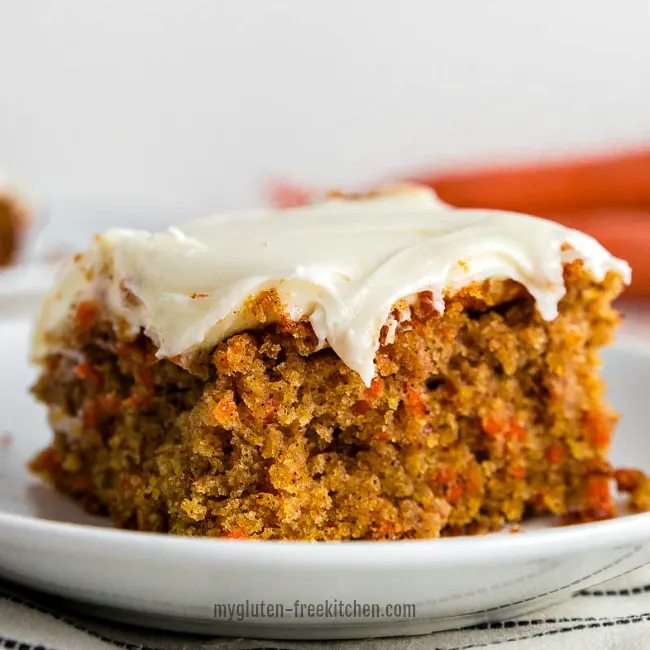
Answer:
(14, 220)
(618, 181)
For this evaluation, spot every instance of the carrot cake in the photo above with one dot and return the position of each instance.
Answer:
(370, 367)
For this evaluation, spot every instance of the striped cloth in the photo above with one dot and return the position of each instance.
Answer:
(615, 615)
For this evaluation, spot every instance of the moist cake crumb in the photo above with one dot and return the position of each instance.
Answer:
(478, 417)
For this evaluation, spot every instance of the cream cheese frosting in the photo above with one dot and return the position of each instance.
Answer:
(342, 264)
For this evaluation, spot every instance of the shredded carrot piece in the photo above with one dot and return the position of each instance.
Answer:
(374, 391)
(554, 453)
(140, 397)
(454, 493)
(598, 429)
(515, 431)
(518, 472)
(413, 402)
(386, 529)
(224, 410)
(598, 494)
(87, 372)
(492, 426)
(235, 534)
(86, 314)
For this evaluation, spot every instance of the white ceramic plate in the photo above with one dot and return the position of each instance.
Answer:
(174, 582)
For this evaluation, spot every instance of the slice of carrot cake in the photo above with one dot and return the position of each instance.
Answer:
(376, 367)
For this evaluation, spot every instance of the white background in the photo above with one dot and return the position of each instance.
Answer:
(185, 107)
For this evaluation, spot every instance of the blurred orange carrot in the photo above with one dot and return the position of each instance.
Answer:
(613, 181)
(283, 194)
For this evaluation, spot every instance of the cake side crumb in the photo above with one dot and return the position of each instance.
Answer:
(476, 418)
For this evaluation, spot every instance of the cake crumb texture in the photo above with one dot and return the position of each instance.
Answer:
(479, 417)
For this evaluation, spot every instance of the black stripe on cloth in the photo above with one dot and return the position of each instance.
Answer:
(632, 591)
(12, 644)
(508, 625)
(627, 620)
(578, 624)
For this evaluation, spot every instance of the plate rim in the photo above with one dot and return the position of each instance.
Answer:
(498, 548)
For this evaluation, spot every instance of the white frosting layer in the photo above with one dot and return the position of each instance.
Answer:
(342, 264)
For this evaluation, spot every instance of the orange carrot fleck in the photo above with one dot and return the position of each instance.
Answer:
(224, 410)
(518, 472)
(386, 530)
(86, 314)
(454, 493)
(235, 534)
(140, 398)
(554, 453)
(515, 431)
(87, 372)
(492, 426)
(598, 429)
(598, 494)
(374, 391)
(413, 402)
